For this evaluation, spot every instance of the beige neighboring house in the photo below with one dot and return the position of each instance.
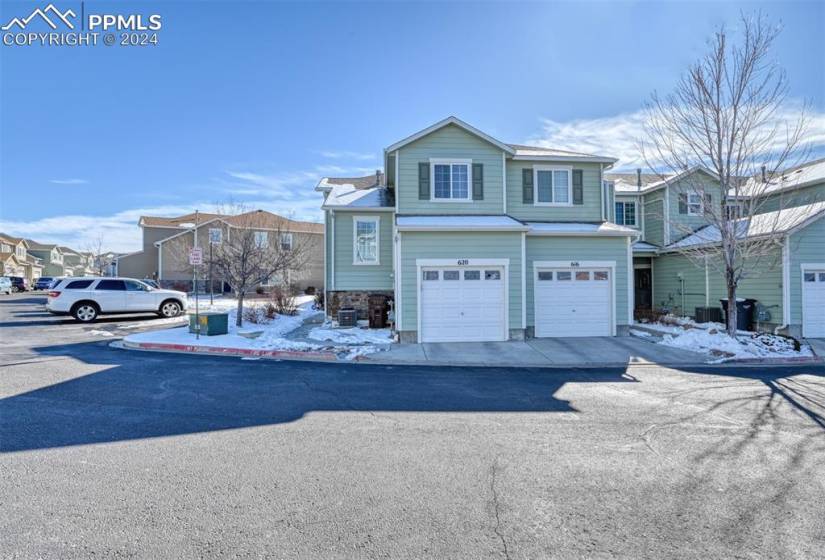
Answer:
(166, 244)
(22, 264)
(78, 263)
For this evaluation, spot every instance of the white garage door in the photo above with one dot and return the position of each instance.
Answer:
(463, 304)
(573, 302)
(813, 303)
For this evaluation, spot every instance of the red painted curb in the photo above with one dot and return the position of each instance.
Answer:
(194, 349)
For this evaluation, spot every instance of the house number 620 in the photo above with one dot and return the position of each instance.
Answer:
(463, 262)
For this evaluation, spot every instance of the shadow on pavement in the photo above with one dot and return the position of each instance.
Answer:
(152, 395)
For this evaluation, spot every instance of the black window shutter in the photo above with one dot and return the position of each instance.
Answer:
(478, 181)
(708, 202)
(578, 187)
(424, 181)
(683, 203)
(527, 186)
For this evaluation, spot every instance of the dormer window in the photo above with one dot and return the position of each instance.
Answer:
(451, 179)
(694, 204)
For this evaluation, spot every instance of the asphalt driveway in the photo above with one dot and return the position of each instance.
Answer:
(109, 453)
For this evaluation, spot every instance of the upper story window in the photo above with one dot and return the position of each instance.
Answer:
(21, 251)
(694, 204)
(626, 213)
(554, 186)
(733, 211)
(6, 248)
(365, 239)
(286, 242)
(451, 179)
(261, 240)
(215, 236)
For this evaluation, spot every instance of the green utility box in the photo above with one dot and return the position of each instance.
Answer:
(211, 323)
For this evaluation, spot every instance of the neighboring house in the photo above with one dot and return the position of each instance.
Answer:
(478, 240)
(167, 242)
(24, 264)
(789, 285)
(80, 264)
(51, 257)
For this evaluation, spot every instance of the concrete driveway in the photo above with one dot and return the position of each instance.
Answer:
(538, 352)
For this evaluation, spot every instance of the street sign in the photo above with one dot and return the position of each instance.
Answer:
(195, 256)
(215, 235)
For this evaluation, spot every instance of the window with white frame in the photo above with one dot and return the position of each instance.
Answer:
(553, 186)
(261, 240)
(695, 204)
(215, 236)
(626, 213)
(286, 242)
(451, 179)
(365, 239)
(733, 211)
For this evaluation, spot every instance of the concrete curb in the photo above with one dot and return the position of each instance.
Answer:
(332, 357)
(231, 352)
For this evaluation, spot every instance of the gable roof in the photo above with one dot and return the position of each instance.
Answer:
(451, 120)
(157, 221)
(34, 245)
(806, 174)
(779, 222)
(257, 219)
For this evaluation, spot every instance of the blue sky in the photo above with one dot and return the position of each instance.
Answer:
(255, 101)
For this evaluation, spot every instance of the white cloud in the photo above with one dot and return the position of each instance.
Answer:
(619, 136)
(345, 154)
(68, 181)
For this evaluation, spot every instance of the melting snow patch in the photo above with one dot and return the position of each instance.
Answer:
(715, 342)
(101, 333)
(351, 336)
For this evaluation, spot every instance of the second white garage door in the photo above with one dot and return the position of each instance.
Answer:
(573, 302)
(463, 304)
(813, 303)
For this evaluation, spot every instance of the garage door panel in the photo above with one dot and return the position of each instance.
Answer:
(572, 302)
(463, 304)
(813, 303)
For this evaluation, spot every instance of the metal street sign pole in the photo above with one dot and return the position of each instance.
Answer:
(211, 281)
(195, 282)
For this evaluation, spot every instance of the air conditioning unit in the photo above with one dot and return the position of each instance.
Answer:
(709, 315)
(347, 318)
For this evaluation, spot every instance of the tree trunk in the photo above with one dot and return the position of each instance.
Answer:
(239, 318)
(732, 309)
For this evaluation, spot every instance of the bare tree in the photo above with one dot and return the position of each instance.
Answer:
(101, 259)
(258, 248)
(727, 115)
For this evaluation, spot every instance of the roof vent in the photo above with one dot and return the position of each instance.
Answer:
(639, 178)
(764, 174)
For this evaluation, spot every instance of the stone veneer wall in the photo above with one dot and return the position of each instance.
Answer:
(358, 300)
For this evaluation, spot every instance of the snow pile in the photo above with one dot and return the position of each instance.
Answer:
(351, 336)
(271, 333)
(716, 342)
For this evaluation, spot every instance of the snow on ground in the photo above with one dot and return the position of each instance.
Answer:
(351, 336)
(269, 334)
(711, 339)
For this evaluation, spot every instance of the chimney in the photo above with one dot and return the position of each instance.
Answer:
(639, 178)
(764, 174)
(377, 177)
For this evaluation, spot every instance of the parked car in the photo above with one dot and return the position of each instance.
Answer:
(5, 285)
(18, 284)
(86, 298)
(43, 283)
(152, 283)
(55, 281)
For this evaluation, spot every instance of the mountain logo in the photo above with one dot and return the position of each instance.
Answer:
(44, 15)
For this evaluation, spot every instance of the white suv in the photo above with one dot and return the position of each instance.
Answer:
(86, 298)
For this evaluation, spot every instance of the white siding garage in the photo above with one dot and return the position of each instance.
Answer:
(813, 303)
(573, 301)
(463, 304)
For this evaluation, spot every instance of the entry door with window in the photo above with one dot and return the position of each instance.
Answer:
(813, 303)
(110, 295)
(643, 293)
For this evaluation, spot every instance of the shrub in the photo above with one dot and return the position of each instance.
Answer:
(319, 300)
(284, 301)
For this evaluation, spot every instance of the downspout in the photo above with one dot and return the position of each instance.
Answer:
(707, 283)
(786, 286)
(332, 249)
(603, 187)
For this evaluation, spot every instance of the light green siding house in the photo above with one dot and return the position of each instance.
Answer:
(473, 239)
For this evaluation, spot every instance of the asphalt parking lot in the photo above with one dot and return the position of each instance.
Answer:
(111, 453)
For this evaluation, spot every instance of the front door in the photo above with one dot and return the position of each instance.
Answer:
(643, 292)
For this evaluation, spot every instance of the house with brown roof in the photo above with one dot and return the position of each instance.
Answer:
(166, 244)
(16, 258)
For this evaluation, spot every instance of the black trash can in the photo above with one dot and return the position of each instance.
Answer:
(744, 312)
